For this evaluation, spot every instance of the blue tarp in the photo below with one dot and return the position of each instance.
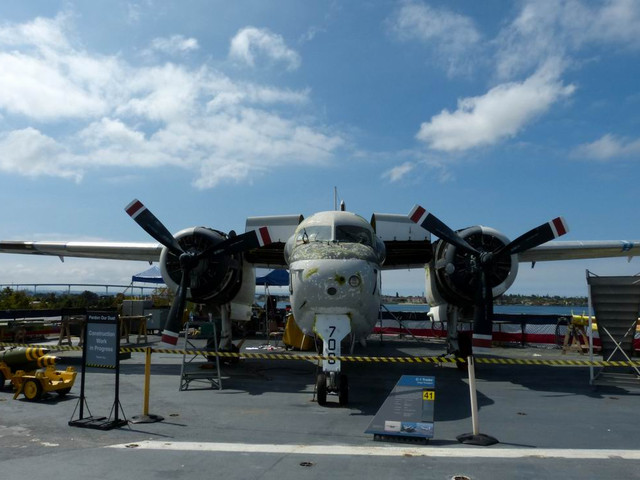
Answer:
(152, 275)
(275, 277)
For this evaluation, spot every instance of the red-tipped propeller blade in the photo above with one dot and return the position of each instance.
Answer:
(154, 227)
(537, 236)
(432, 224)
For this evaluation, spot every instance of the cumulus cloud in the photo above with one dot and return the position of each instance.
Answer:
(452, 37)
(250, 43)
(500, 113)
(115, 113)
(608, 147)
(28, 152)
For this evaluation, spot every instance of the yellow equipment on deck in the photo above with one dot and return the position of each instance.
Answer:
(32, 372)
(294, 337)
(35, 384)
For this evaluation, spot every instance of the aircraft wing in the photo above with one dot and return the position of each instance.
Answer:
(148, 252)
(407, 244)
(281, 228)
(575, 250)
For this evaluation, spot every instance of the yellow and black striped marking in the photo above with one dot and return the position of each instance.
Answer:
(356, 359)
(33, 353)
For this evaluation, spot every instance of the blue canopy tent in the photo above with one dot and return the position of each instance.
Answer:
(279, 278)
(151, 275)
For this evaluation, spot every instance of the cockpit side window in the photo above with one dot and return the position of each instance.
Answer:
(315, 233)
(354, 234)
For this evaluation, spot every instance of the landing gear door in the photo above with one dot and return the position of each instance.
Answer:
(331, 329)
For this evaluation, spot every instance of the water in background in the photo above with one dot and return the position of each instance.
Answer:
(526, 309)
(514, 309)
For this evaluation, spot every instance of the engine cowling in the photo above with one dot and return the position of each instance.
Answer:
(216, 280)
(453, 270)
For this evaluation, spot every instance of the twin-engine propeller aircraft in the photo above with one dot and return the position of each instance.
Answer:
(335, 259)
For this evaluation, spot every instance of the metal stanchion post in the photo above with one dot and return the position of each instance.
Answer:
(146, 417)
(475, 438)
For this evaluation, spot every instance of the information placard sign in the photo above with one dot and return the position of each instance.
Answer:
(408, 410)
(102, 340)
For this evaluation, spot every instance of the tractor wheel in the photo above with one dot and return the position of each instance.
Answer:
(32, 390)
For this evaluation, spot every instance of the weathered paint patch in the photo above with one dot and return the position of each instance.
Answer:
(309, 272)
(332, 251)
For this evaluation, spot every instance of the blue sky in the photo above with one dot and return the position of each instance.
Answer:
(505, 114)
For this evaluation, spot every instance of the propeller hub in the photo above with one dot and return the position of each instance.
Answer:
(486, 258)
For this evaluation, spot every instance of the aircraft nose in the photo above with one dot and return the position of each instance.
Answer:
(347, 281)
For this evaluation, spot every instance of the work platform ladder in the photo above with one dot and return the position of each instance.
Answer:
(206, 373)
(616, 303)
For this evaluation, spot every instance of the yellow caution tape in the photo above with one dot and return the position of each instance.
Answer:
(358, 359)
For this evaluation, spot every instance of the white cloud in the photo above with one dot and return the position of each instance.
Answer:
(562, 29)
(250, 42)
(500, 113)
(111, 132)
(174, 45)
(30, 153)
(608, 147)
(118, 114)
(399, 172)
(23, 269)
(451, 36)
(41, 33)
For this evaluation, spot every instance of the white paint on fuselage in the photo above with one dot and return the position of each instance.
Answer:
(322, 286)
(334, 260)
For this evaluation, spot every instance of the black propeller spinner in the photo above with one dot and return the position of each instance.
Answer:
(484, 261)
(189, 259)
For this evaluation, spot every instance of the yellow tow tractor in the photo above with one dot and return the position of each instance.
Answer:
(33, 373)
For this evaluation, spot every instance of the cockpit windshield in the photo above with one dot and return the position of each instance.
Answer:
(314, 233)
(354, 234)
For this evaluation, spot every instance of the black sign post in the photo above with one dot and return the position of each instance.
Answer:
(101, 348)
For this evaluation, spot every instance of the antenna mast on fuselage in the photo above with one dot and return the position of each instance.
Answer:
(343, 207)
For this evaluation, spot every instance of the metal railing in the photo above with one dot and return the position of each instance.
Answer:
(33, 287)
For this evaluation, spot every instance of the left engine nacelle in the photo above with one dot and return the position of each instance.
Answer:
(216, 280)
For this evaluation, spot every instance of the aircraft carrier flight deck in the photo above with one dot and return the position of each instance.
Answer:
(263, 423)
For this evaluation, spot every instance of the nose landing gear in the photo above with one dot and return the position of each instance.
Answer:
(332, 383)
(332, 329)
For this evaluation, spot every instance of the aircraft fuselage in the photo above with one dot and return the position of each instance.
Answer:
(334, 261)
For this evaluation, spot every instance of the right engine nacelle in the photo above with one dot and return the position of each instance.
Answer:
(451, 275)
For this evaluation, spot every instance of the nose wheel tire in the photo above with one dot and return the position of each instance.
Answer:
(343, 392)
(321, 389)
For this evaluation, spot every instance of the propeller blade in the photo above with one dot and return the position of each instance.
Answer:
(173, 324)
(148, 221)
(239, 243)
(432, 224)
(537, 236)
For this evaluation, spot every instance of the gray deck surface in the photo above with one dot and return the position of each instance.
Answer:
(550, 423)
